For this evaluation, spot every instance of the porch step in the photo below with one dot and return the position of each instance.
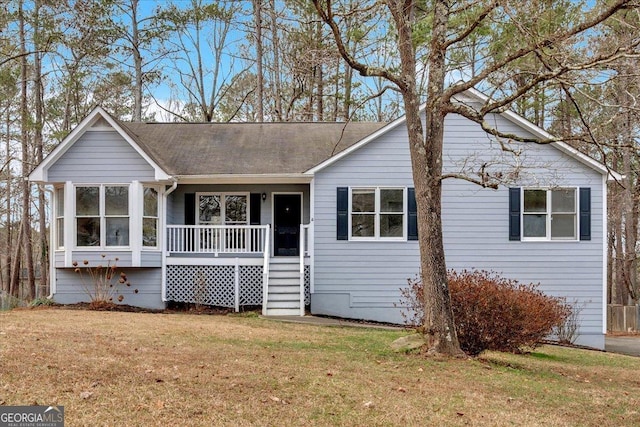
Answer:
(284, 281)
(283, 312)
(287, 296)
(283, 289)
(283, 274)
(283, 295)
(285, 303)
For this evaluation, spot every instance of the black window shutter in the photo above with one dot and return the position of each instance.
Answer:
(514, 214)
(255, 200)
(343, 213)
(189, 209)
(585, 214)
(412, 214)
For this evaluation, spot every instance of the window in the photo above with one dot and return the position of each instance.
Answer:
(220, 209)
(377, 213)
(150, 218)
(549, 214)
(102, 216)
(59, 201)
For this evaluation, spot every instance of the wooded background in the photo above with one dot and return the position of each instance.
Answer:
(275, 60)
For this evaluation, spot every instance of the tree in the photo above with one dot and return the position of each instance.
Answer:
(199, 37)
(139, 38)
(426, 34)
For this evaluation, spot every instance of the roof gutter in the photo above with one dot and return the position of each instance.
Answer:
(284, 178)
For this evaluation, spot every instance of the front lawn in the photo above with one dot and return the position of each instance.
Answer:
(115, 368)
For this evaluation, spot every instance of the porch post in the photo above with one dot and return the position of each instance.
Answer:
(237, 286)
(302, 245)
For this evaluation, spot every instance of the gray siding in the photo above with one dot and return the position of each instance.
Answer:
(147, 258)
(148, 282)
(58, 258)
(151, 258)
(96, 257)
(101, 157)
(175, 207)
(362, 279)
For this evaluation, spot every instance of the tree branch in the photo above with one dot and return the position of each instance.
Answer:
(364, 69)
(550, 40)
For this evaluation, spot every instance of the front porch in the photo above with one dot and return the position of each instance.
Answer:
(233, 266)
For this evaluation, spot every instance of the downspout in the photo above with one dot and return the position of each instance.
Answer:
(164, 237)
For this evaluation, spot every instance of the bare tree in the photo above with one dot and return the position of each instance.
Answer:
(200, 57)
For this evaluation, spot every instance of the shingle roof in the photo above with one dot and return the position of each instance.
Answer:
(244, 148)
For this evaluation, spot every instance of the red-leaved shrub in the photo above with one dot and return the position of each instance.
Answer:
(492, 312)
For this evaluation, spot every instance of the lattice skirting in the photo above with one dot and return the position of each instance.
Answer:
(307, 285)
(214, 284)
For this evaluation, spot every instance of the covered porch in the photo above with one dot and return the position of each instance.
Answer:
(238, 246)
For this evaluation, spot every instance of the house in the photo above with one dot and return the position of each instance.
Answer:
(322, 215)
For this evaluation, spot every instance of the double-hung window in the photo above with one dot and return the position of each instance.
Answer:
(377, 213)
(59, 206)
(150, 217)
(102, 216)
(222, 209)
(229, 209)
(550, 214)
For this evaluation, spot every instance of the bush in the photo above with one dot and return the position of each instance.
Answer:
(492, 312)
(102, 284)
(42, 301)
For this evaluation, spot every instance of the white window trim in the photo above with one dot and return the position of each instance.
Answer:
(547, 237)
(103, 223)
(376, 237)
(222, 205)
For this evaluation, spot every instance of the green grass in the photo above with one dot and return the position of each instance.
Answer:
(111, 368)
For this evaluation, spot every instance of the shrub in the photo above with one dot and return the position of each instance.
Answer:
(567, 331)
(492, 312)
(102, 283)
(41, 301)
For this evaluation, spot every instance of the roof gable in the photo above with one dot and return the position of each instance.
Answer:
(475, 95)
(97, 120)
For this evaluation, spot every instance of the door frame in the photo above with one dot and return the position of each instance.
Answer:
(273, 214)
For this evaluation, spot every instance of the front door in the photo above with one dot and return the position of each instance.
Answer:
(287, 217)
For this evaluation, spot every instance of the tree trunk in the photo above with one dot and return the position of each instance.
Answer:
(257, 16)
(275, 41)
(426, 160)
(26, 194)
(9, 224)
(39, 148)
(137, 63)
(348, 81)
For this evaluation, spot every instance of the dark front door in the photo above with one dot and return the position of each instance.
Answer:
(286, 228)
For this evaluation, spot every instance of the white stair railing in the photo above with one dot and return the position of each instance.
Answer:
(265, 272)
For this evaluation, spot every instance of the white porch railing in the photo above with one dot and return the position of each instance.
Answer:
(217, 239)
